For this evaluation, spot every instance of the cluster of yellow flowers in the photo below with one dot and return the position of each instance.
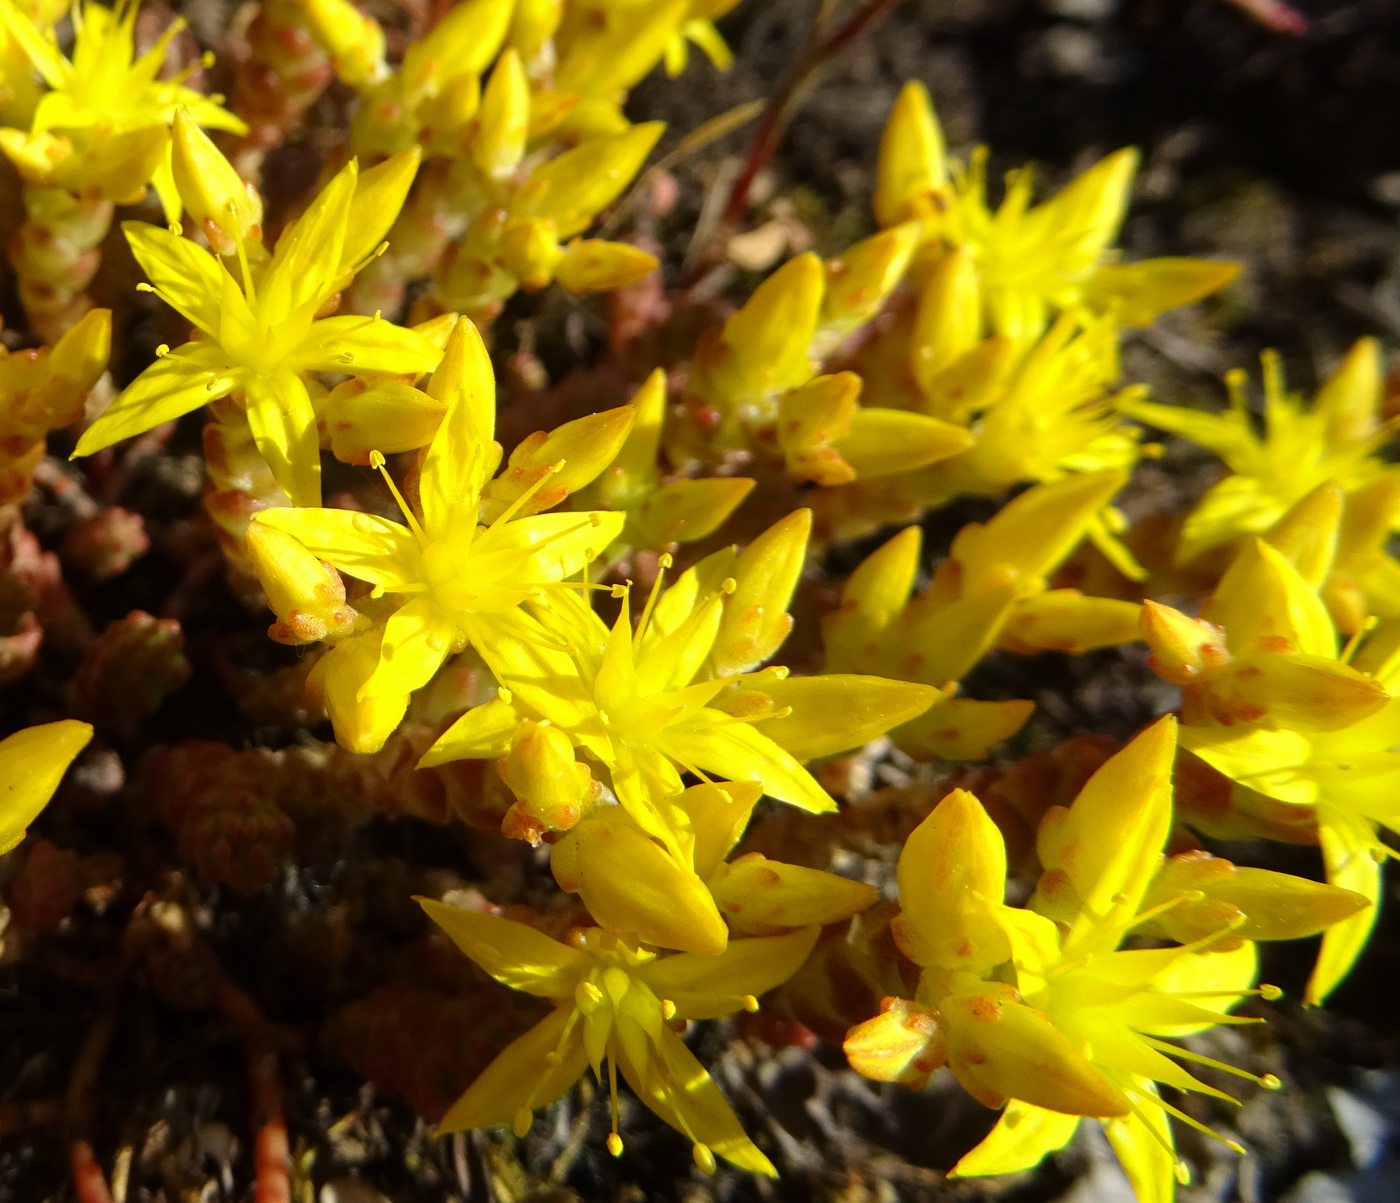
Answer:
(962, 349)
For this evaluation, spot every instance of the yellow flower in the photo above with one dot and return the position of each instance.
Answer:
(990, 591)
(1301, 447)
(32, 763)
(1271, 703)
(463, 582)
(1058, 1017)
(615, 1002)
(106, 108)
(1032, 260)
(261, 336)
(652, 703)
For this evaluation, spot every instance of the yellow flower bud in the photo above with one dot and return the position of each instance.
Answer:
(566, 459)
(1185, 651)
(353, 41)
(686, 510)
(631, 884)
(596, 265)
(530, 252)
(574, 188)
(504, 119)
(810, 420)
(877, 591)
(1001, 1049)
(305, 593)
(862, 277)
(912, 167)
(226, 208)
(755, 619)
(761, 897)
(904, 1043)
(388, 416)
(551, 788)
(766, 346)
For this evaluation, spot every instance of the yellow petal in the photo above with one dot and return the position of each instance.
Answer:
(185, 275)
(711, 987)
(1024, 1136)
(32, 763)
(1351, 852)
(525, 1074)
(1138, 292)
(459, 459)
(284, 427)
(515, 954)
(676, 1086)
(1147, 1151)
(884, 441)
(740, 752)
(417, 639)
(185, 379)
(366, 546)
(835, 712)
(755, 619)
(362, 345)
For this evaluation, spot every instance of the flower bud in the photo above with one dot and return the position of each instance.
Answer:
(630, 883)
(1185, 651)
(597, 265)
(227, 209)
(755, 619)
(904, 1043)
(353, 41)
(305, 593)
(912, 166)
(552, 789)
(503, 124)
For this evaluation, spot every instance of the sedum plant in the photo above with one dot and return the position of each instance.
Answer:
(543, 624)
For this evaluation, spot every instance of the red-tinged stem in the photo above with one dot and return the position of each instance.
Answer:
(271, 1151)
(782, 104)
(88, 1178)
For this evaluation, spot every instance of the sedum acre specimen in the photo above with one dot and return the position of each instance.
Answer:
(567, 597)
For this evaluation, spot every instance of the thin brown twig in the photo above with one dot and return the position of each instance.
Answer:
(821, 50)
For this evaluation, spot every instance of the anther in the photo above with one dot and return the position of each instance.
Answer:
(750, 1003)
(614, 1144)
(704, 1158)
(1182, 1173)
(1270, 993)
(524, 1118)
(1270, 1082)
(668, 1009)
(163, 350)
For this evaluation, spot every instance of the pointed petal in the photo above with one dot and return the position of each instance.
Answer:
(366, 546)
(183, 274)
(283, 423)
(515, 954)
(740, 752)
(484, 731)
(416, 642)
(711, 987)
(524, 1075)
(1148, 1153)
(677, 1087)
(32, 763)
(362, 346)
(1023, 1137)
(1350, 850)
(176, 383)
(838, 711)
(461, 454)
